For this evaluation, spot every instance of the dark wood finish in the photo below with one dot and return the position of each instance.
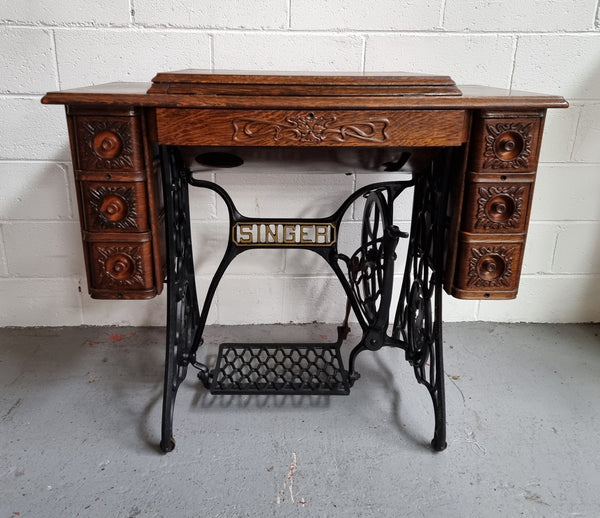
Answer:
(114, 129)
(498, 190)
(488, 269)
(494, 207)
(198, 82)
(507, 142)
(114, 95)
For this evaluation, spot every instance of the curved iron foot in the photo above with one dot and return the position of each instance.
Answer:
(167, 445)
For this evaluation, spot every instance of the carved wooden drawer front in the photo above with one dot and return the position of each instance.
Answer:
(115, 206)
(488, 269)
(119, 268)
(310, 128)
(108, 143)
(118, 202)
(506, 144)
(498, 190)
(496, 207)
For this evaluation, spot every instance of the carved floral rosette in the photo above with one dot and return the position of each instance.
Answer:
(310, 129)
(491, 267)
(120, 267)
(113, 207)
(499, 207)
(508, 145)
(109, 145)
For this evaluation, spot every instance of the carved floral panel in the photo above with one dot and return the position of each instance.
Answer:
(120, 267)
(107, 145)
(500, 207)
(310, 128)
(491, 267)
(113, 207)
(508, 145)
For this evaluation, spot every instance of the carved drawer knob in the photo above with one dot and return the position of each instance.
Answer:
(120, 266)
(491, 267)
(509, 145)
(113, 207)
(107, 144)
(500, 208)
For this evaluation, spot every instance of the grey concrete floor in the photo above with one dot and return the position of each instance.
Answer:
(80, 420)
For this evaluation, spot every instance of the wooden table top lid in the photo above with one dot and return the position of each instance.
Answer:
(268, 90)
(203, 82)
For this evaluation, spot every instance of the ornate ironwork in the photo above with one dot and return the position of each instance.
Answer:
(366, 277)
(279, 369)
(418, 320)
(182, 302)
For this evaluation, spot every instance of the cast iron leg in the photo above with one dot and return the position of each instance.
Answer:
(418, 318)
(182, 304)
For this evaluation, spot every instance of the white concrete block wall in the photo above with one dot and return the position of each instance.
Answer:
(550, 46)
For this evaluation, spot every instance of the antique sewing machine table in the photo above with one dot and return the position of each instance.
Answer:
(468, 154)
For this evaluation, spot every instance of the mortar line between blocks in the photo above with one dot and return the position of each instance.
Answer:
(270, 30)
(65, 163)
(82, 293)
(55, 52)
(575, 137)
(559, 275)
(364, 54)
(514, 63)
(132, 12)
(211, 51)
(357, 31)
(3, 258)
(442, 20)
(22, 96)
(555, 250)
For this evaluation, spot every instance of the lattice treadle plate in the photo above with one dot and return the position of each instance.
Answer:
(279, 369)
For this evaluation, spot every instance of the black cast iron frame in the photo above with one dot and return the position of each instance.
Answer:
(367, 282)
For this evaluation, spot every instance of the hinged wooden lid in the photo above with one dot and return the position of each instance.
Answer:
(202, 82)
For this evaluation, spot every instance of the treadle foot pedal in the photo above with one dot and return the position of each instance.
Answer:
(278, 369)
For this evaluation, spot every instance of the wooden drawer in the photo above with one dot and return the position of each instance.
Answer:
(488, 268)
(117, 181)
(108, 143)
(506, 142)
(224, 127)
(115, 206)
(497, 207)
(120, 269)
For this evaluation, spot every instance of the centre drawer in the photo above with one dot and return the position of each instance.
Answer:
(227, 127)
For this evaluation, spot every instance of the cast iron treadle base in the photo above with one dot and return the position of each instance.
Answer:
(278, 369)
